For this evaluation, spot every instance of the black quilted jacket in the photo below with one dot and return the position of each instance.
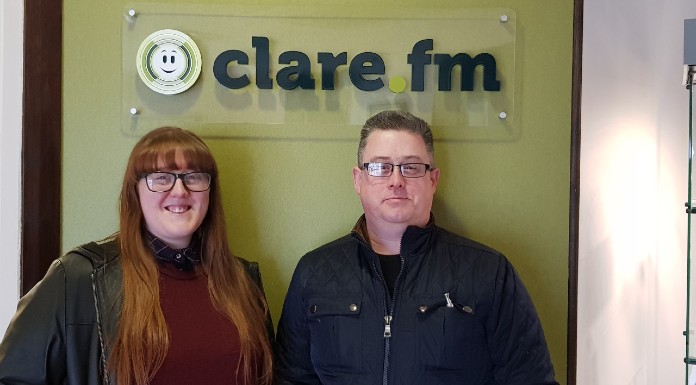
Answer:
(460, 315)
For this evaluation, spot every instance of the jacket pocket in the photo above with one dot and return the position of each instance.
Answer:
(450, 336)
(335, 327)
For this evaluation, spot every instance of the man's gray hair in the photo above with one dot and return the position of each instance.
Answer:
(400, 121)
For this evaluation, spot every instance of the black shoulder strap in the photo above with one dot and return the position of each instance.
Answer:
(252, 268)
(107, 287)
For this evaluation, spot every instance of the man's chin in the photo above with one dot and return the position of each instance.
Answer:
(398, 218)
(405, 218)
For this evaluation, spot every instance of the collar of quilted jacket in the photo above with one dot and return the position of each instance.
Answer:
(415, 240)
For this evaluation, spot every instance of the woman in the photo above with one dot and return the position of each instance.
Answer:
(163, 301)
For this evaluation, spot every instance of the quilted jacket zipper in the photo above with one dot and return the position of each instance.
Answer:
(388, 313)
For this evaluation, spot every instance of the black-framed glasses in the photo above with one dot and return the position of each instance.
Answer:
(161, 181)
(408, 170)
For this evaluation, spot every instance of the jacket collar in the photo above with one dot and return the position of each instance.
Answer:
(415, 240)
(100, 253)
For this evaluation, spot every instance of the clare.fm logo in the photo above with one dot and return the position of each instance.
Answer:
(169, 62)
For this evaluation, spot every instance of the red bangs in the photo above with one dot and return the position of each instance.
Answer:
(172, 152)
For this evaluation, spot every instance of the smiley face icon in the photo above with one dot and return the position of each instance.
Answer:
(168, 62)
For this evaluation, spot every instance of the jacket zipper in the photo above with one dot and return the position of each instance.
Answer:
(388, 314)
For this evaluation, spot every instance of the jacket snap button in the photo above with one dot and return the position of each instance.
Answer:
(353, 307)
(313, 309)
(422, 308)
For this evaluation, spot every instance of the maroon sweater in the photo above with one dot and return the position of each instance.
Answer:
(204, 345)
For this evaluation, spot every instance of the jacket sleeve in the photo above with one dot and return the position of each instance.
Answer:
(517, 342)
(293, 357)
(33, 349)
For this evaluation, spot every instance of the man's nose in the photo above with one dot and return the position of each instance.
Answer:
(396, 179)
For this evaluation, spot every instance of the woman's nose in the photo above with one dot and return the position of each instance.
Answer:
(179, 188)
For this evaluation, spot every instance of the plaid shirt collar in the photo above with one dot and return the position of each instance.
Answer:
(183, 259)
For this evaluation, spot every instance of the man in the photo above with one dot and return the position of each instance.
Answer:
(400, 301)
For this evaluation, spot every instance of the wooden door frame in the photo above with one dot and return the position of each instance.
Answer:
(41, 138)
(574, 211)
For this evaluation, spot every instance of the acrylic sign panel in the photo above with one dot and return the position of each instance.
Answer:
(312, 73)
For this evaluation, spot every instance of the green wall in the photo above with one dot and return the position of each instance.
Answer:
(284, 197)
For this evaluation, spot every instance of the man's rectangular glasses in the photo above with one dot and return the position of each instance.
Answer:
(408, 170)
(161, 181)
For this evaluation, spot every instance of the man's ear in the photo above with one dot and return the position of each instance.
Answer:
(434, 177)
(357, 178)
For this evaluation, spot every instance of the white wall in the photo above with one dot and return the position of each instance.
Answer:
(632, 262)
(11, 53)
